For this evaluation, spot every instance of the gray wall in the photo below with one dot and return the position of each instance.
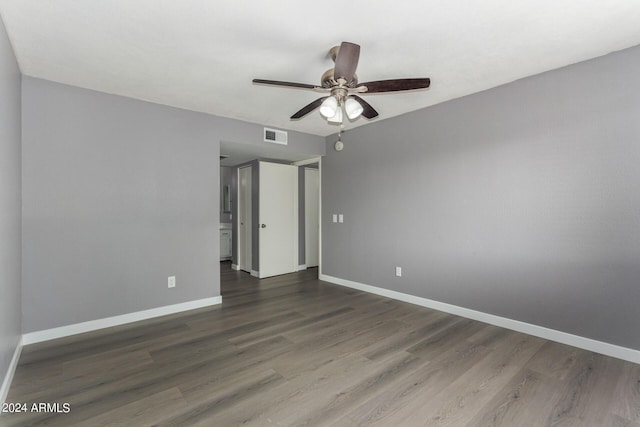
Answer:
(522, 201)
(118, 194)
(10, 219)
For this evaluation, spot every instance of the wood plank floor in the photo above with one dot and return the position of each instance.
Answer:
(292, 350)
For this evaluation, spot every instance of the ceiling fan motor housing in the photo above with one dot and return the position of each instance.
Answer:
(328, 80)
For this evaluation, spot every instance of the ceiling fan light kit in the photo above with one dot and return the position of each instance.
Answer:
(353, 108)
(329, 107)
(337, 117)
(341, 84)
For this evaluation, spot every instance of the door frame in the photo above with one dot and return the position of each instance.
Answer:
(317, 160)
(240, 245)
(311, 197)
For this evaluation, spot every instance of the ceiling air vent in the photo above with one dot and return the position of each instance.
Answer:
(275, 136)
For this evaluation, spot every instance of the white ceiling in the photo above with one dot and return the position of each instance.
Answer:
(202, 54)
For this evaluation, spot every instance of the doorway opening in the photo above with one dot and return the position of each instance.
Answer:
(252, 229)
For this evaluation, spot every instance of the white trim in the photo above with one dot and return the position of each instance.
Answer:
(612, 350)
(307, 161)
(255, 273)
(302, 267)
(6, 384)
(92, 325)
(235, 267)
(320, 215)
(249, 231)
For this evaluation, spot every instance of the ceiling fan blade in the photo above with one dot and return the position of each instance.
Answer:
(287, 84)
(308, 108)
(396, 85)
(346, 61)
(368, 111)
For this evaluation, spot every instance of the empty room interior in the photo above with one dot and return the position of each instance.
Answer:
(358, 214)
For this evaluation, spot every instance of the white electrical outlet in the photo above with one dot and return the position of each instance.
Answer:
(171, 282)
(340, 218)
(335, 218)
(398, 271)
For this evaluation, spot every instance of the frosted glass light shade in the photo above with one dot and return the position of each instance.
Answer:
(337, 117)
(328, 107)
(353, 108)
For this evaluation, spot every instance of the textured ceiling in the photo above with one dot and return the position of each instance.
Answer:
(201, 55)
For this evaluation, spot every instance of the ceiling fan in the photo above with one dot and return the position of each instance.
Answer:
(342, 85)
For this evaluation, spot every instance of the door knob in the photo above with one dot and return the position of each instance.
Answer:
(263, 225)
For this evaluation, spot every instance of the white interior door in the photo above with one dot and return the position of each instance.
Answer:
(311, 216)
(244, 219)
(278, 225)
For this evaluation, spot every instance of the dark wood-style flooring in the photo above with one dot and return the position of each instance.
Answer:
(292, 350)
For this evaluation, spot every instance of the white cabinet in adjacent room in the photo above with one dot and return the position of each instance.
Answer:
(226, 245)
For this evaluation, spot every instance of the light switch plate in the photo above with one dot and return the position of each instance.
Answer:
(340, 218)
(398, 271)
(335, 217)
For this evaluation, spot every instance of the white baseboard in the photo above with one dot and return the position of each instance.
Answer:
(92, 325)
(589, 344)
(8, 377)
(255, 273)
(235, 267)
(302, 267)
